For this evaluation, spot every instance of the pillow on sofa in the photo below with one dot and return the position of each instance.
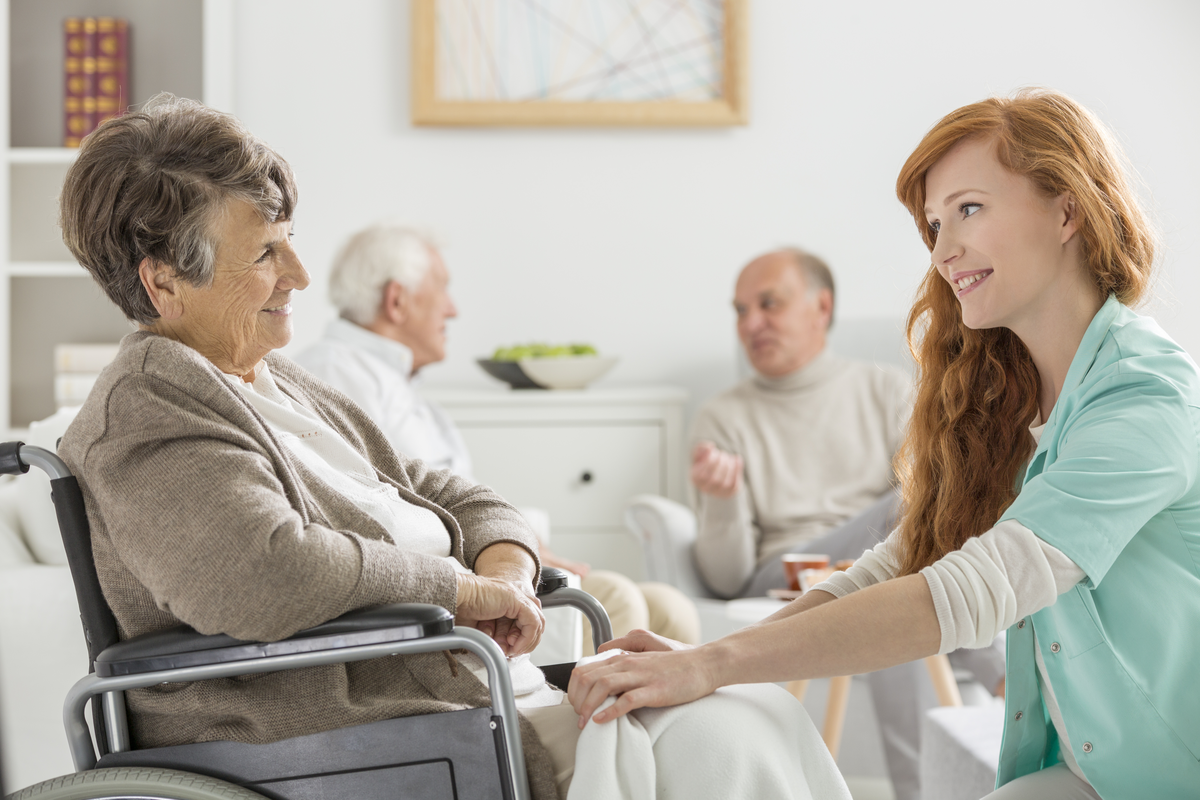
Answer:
(13, 551)
(35, 510)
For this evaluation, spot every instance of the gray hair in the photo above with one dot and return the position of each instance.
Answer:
(369, 261)
(153, 184)
(816, 273)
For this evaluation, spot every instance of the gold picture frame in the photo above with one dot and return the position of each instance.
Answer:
(726, 107)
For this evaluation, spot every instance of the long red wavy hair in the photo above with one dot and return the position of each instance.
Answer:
(977, 390)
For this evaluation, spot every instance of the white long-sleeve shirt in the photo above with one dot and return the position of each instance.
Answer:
(376, 373)
(995, 579)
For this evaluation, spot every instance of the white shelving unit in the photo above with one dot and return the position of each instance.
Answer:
(181, 46)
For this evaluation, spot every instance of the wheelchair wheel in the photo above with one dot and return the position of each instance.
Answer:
(143, 783)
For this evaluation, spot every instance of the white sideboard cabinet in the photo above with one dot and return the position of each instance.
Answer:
(580, 455)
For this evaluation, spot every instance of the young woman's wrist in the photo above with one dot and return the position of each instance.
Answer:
(721, 662)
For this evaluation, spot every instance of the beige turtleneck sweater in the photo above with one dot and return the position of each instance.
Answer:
(817, 446)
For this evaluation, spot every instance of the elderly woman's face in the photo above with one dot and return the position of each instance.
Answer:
(246, 312)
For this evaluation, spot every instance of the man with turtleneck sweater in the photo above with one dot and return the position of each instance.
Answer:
(798, 458)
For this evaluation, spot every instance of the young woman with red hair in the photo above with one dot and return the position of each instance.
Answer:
(1050, 474)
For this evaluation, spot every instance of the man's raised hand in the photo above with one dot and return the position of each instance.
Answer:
(714, 471)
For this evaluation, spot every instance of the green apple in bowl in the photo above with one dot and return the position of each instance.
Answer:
(570, 366)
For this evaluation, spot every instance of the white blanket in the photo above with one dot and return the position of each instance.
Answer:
(751, 741)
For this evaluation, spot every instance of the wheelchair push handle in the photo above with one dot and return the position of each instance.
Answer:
(10, 459)
(17, 457)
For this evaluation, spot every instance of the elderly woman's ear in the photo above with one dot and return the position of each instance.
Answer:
(162, 286)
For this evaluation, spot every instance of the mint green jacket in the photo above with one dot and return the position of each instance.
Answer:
(1115, 484)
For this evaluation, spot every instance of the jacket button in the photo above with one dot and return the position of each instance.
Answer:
(1087, 747)
(1019, 715)
(1021, 624)
(1054, 648)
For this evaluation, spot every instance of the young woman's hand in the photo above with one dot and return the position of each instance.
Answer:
(507, 611)
(640, 680)
(640, 641)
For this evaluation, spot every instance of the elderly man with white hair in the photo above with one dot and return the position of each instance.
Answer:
(391, 288)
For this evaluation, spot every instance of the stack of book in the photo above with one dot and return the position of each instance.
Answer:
(76, 368)
(97, 74)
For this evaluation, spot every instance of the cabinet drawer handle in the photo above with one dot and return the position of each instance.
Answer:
(586, 477)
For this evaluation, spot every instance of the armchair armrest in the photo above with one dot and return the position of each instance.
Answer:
(667, 531)
(181, 646)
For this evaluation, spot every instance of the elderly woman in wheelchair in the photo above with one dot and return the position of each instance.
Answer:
(228, 490)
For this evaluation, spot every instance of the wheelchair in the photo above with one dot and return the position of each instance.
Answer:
(473, 754)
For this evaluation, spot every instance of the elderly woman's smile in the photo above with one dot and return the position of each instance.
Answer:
(245, 311)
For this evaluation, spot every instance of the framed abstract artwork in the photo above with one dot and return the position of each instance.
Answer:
(579, 62)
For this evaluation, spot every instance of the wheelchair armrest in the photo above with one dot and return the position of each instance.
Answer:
(182, 646)
(552, 578)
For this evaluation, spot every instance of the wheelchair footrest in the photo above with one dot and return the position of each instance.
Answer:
(431, 757)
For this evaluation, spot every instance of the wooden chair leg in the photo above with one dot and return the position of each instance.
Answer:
(940, 673)
(835, 713)
(797, 689)
(944, 684)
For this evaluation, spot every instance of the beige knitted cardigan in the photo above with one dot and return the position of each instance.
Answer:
(200, 515)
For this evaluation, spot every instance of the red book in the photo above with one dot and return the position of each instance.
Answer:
(112, 68)
(79, 97)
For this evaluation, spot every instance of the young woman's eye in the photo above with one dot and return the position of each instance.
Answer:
(968, 209)
(935, 227)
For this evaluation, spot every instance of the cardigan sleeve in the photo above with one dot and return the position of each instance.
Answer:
(196, 512)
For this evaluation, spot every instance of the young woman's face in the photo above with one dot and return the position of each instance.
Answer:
(1001, 244)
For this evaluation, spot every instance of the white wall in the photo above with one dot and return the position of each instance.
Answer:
(630, 239)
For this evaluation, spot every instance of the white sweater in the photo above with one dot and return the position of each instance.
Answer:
(817, 446)
(376, 373)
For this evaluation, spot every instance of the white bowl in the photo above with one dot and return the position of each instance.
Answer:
(566, 372)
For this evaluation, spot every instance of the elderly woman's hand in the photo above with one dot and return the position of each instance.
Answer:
(502, 609)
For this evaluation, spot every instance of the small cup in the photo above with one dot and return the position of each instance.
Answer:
(796, 563)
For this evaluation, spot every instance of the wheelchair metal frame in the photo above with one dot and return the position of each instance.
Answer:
(335, 648)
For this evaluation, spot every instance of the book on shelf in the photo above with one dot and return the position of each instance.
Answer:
(96, 67)
(79, 96)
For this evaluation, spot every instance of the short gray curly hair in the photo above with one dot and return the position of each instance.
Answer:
(151, 184)
(370, 260)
